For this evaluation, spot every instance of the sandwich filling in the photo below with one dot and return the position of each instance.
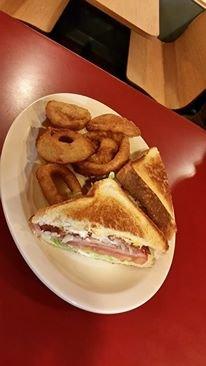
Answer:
(112, 246)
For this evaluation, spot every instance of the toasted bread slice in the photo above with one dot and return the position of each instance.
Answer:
(146, 181)
(106, 212)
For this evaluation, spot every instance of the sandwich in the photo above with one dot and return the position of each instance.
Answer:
(145, 179)
(105, 224)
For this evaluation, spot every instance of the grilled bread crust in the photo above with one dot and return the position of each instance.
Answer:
(145, 179)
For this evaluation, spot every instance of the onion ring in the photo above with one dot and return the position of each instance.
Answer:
(99, 135)
(45, 175)
(89, 168)
(65, 115)
(105, 144)
(106, 151)
(114, 123)
(64, 146)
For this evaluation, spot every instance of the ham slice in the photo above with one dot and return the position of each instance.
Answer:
(110, 246)
(139, 256)
(114, 247)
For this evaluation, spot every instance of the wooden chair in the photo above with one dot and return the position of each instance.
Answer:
(43, 14)
(201, 3)
(138, 15)
(172, 73)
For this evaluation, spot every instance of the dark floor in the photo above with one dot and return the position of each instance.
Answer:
(100, 39)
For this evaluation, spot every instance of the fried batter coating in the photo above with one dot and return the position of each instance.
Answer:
(114, 123)
(89, 168)
(106, 151)
(46, 175)
(64, 146)
(65, 115)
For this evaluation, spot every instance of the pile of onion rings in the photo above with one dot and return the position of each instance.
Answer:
(104, 148)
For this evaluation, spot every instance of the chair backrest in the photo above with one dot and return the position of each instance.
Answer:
(43, 14)
(135, 14)
(172, 73)
(201, 3)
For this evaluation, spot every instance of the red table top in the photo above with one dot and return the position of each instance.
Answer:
(38, 328)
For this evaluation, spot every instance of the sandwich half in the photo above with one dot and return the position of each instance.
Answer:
(104, 224)
(145, 179)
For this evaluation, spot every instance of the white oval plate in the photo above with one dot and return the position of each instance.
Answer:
(89, 284)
